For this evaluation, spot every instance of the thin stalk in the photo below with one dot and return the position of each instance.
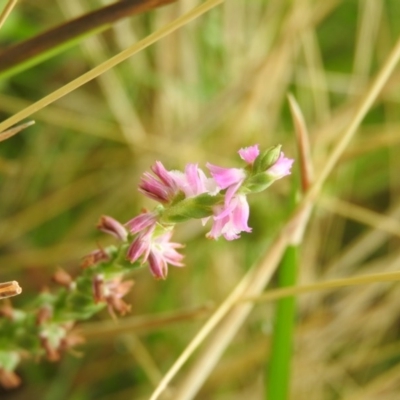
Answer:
(6, 11)
(45, 45)
(110, 63)
(326, 286)
(277, 383)
(278, 370)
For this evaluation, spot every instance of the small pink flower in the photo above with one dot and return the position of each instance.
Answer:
(249, 154)
(163, 174)
(161, 188)
(113, 227)
(281, 167)
(231, 219)
(158, 251)
(226, 177)
(141, 222)
(141, 246)
(193, 181)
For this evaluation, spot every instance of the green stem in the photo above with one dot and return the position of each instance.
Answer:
(277, 385)
(278, 373)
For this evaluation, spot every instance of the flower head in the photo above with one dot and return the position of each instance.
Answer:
(193, 181)
(249, 154)
(231, 219)
(162, 187)
(157, 250)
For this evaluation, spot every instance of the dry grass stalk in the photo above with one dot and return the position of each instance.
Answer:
(9, 289)
(6, 11)
(259, 278)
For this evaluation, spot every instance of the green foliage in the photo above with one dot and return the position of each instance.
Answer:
(198, 95)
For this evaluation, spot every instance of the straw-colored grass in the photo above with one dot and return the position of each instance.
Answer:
(193, 82)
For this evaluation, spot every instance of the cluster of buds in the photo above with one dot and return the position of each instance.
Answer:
(145, 239)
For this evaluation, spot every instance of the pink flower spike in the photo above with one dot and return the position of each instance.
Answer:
(226, 176)
(281, 167)
(249, 154)
(142, 221)
(113, 227)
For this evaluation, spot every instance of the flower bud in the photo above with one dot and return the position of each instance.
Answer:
(267, 159)
(113, 227)
(63, 278)
(280, 168)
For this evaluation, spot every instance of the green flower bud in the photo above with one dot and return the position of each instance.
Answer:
(267, 159)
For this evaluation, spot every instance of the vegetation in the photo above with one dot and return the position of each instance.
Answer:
(192, 82)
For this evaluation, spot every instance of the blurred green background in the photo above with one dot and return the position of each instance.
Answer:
(199, 94)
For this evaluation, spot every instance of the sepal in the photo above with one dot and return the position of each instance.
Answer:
(267, 159)
(197, 207)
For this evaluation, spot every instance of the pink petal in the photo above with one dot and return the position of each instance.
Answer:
(281, 168)
(249, 154)
(226, 176)
(142, 221)
(113, 227)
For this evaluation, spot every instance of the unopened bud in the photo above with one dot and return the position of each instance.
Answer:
(113, 227)
(62, 277)
(267, 159)
(9, 289)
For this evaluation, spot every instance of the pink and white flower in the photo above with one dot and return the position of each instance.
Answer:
(193, 181)
(281, 168)
(231, 219)
(161, 188)
(249, 154)
(157, 250)
(226, 177)
(142, 221)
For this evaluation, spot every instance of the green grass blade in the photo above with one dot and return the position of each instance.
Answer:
(278, 373)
